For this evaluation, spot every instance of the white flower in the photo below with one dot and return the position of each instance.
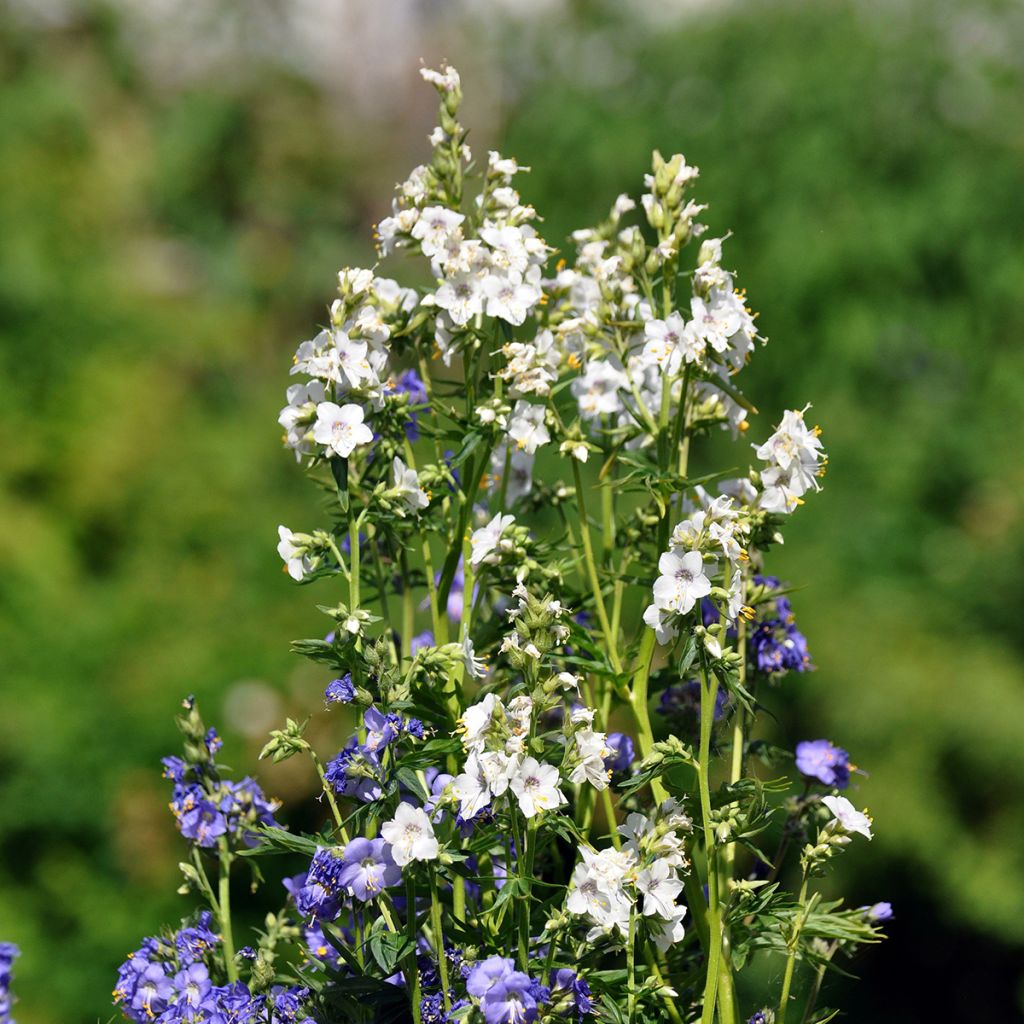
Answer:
(462, 296)
(526, 427)
(847, 815)
(792, 442)
(407, 483)
(671, 931)
(340, 428)
(661, 622)
(536, 787)
(475, 668)
(597, 888)
(471, 788)
(664, 345)
(715, 324)
(682, 581)
(295, 559)
(597, 390)
(476, 721)
(410, 834)
(435, 225)
(446, 79)
(660, 887)
(485, 540)
(298, 414)
(592, 749)
(510, 298)
(569, 682)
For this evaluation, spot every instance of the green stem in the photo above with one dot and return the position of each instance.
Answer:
(709, 691)
(435, 927)
(787, 978)
(412, 973)
(631, 966)
(595, 582)
(224, 909)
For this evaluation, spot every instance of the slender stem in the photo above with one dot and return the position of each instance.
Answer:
(709, 691)
(408, 608)
(787, 978)
(412, 974)
(435, 927)
(595, 582)
(819, 977)
(353, 559)
(224, 909)
(631, 966)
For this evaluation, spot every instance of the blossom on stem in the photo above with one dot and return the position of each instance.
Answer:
(411, 835)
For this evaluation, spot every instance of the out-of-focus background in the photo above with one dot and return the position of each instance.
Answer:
(179, 182)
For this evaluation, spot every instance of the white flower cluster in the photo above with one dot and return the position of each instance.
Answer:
(608, 884)
(347, 364)
(795, 460)
(495, 737)
(717, 530)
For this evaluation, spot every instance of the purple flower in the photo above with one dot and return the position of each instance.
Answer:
(235, 1004)
(420, 641)
(761, 1017)
(818, 759)
(507, 996)
(685, 697)
(192, 985)
(368, 868)
(567, 983)
(411, 384)
(340, 691)
(775, 644)
(288, 1002)
(202, 822)
(878, 912)
(380, 729)
(621, 746)
(320, 892)
(193, 942)
(153, 991)
(174, 768)
(355, 772)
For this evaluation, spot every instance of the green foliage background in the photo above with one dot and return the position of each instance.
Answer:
(163, 249)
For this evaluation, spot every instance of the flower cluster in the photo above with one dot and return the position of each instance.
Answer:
(9, 952)
(206, 807)
(543, 677)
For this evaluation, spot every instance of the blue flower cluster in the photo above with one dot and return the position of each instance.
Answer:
(775, 644)
(9, 952)
(510, 996)
(167, 981)
(360, 769)
(206, 807)
(410, 383)
(684, 698)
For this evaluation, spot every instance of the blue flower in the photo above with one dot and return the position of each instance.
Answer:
(819, 759)
(320, 892)
(879, 912)
(622, 755)
(507, 996)
(192, 943)
(411, 384)
(420, 641)
(340, 691)
(566, 982)
(368, 868)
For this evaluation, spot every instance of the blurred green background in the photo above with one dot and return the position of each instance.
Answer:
(179, 183)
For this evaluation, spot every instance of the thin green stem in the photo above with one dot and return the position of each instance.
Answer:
(709, 691)
(595, 582)
(794, 940)
(224, 909)
(438, 935)
(631, 966)
(412, 973)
